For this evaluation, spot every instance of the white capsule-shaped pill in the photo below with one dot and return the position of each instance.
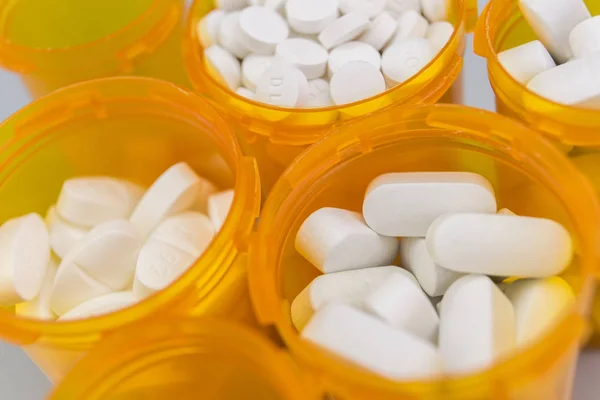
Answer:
(526, 61)
(436, 10)
(405, 204)
(369, 8)
(333, 240)
(411, 24)
(230, 35)
(574, 83)
(352, 51)
(189, 231)
(311, 16)
(208, 27)
(477, 325)
(439, 34)
(401, 303)
(356, 81)
(434, 279)
(230, 5)
(159, 264)
(397, 7)
(552, 22)
(584, 39)
(253, 67)
(402, 60)
(88, 201)
(342, 30)
(40, 308)
(500, 245)
(101, 305)
(62, 235)
(348, 287)
(282, 85)
(380, 31)
(218, 207)
(24, 257)
(372, 344)
(306, 55)
(223, 66)
(262, 29)
(319, 93)
(174, 191)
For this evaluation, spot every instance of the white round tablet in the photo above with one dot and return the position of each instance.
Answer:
(355, 81)
(262, 29)
(435, 10)
(223, 66)
(208, 27)
(311, 16)
(584, 39)
(352, 51)
(343, 29)
(253, 67)
(308, 56)
(319, 93)
(380, 32)
(403, 60)
(282, 85)
(410, 24)
(438, 34)
(230, 35)
(369, 8)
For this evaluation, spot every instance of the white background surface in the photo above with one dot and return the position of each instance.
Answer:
(20, 379)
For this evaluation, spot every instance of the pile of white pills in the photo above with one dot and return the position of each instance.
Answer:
(453, 246)
(563, 64)
(107, 243)
(319, 53)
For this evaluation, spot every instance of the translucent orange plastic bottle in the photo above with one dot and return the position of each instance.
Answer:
(132, 128)
(187, 359)
(54, 43)
(530, 177)
(575, 130)
(276, 135)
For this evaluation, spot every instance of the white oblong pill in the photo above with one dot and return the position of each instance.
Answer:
(208, 27)
(159, 264)
(311, 16)
(574, 83)
(24, 256)
(39, 308)
(411, 24)
(319, 93)
(436, 10)
(174, 191)
(253, 67)
(308, 56)
(333, 240)
(538, 303)
(218, 207)
(230, 5)
(88, 201)
(348, 287)
(189, 231)
(404, 59)
(343, 29)
(405, 204)
(477, 325)
(61, 234)
(282, 85)
(352, 51)
(356, 81)
(434, 279)
(369, 8)
(526, 61)
(400, 302)
(584, 39)
(552, 21)
(397, 7)
(223, 66)
(101, 305)
(438, 34)
(380, 31)
(372, 344)
(500, 245)
(262, 29)
(230, 35)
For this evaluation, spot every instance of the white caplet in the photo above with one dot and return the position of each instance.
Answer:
(218, 207)
(262, 29)
(584, 39)
(552, 22)
(189, 231)
(477, 325)
(400, 302)
(538, 305)
(311, 16)
(101, 305)
(403, 60)
(500, 245)
(434, 279)
(62, 235)
(526, 61)
(372, 344)
(348, 287)
(208, 27)
(39, 308)
(380, 31)
(369, 8)
(333, 240)
(344, 29)
(223, 66)
(397, 7)
(405, 204)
